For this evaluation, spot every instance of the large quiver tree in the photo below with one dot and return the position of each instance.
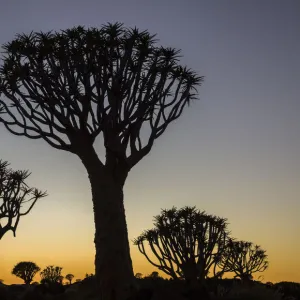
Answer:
(68, 87)
(185, 243)
(16, 197)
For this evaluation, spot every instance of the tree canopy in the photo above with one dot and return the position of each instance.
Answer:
(75, 84)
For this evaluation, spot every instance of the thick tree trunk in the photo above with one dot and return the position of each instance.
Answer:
(113, 264)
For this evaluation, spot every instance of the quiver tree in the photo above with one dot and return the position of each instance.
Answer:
(138, 275)
(51, 274)
(244, 259)
(25, 270)
(70, 277)
(185, 243)
(153, 275)
(72, 86)
(16, 198)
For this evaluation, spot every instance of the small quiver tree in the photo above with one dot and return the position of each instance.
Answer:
(138, 275)
(16, 198)
(70, 277)
(184, 243)
(244, 259)
(25, 270)
(51, 274)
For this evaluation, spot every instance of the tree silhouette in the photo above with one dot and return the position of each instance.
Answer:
(26, 270)
(52, 274)
(14, 196)
(61, 279)
(244, 259)
(153, 275)
(71, 86)
(186, 243)
(138, 275)
(70, 277)
(89, 275)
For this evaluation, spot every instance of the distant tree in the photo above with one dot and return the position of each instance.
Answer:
(1, 281)
(78, 280)
(138, 275)
(244, 259)
(16, 198)
(70, 87)
(70, 277)
(25, 270)
(89, 275)
(154, 275)
(51, 274)
(61, 279)
(186, 243)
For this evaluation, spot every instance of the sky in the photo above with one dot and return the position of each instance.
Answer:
(235, 153)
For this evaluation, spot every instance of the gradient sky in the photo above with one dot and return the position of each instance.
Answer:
(235, 153)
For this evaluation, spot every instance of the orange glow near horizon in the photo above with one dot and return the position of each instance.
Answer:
(80, 260)
(80, 267)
